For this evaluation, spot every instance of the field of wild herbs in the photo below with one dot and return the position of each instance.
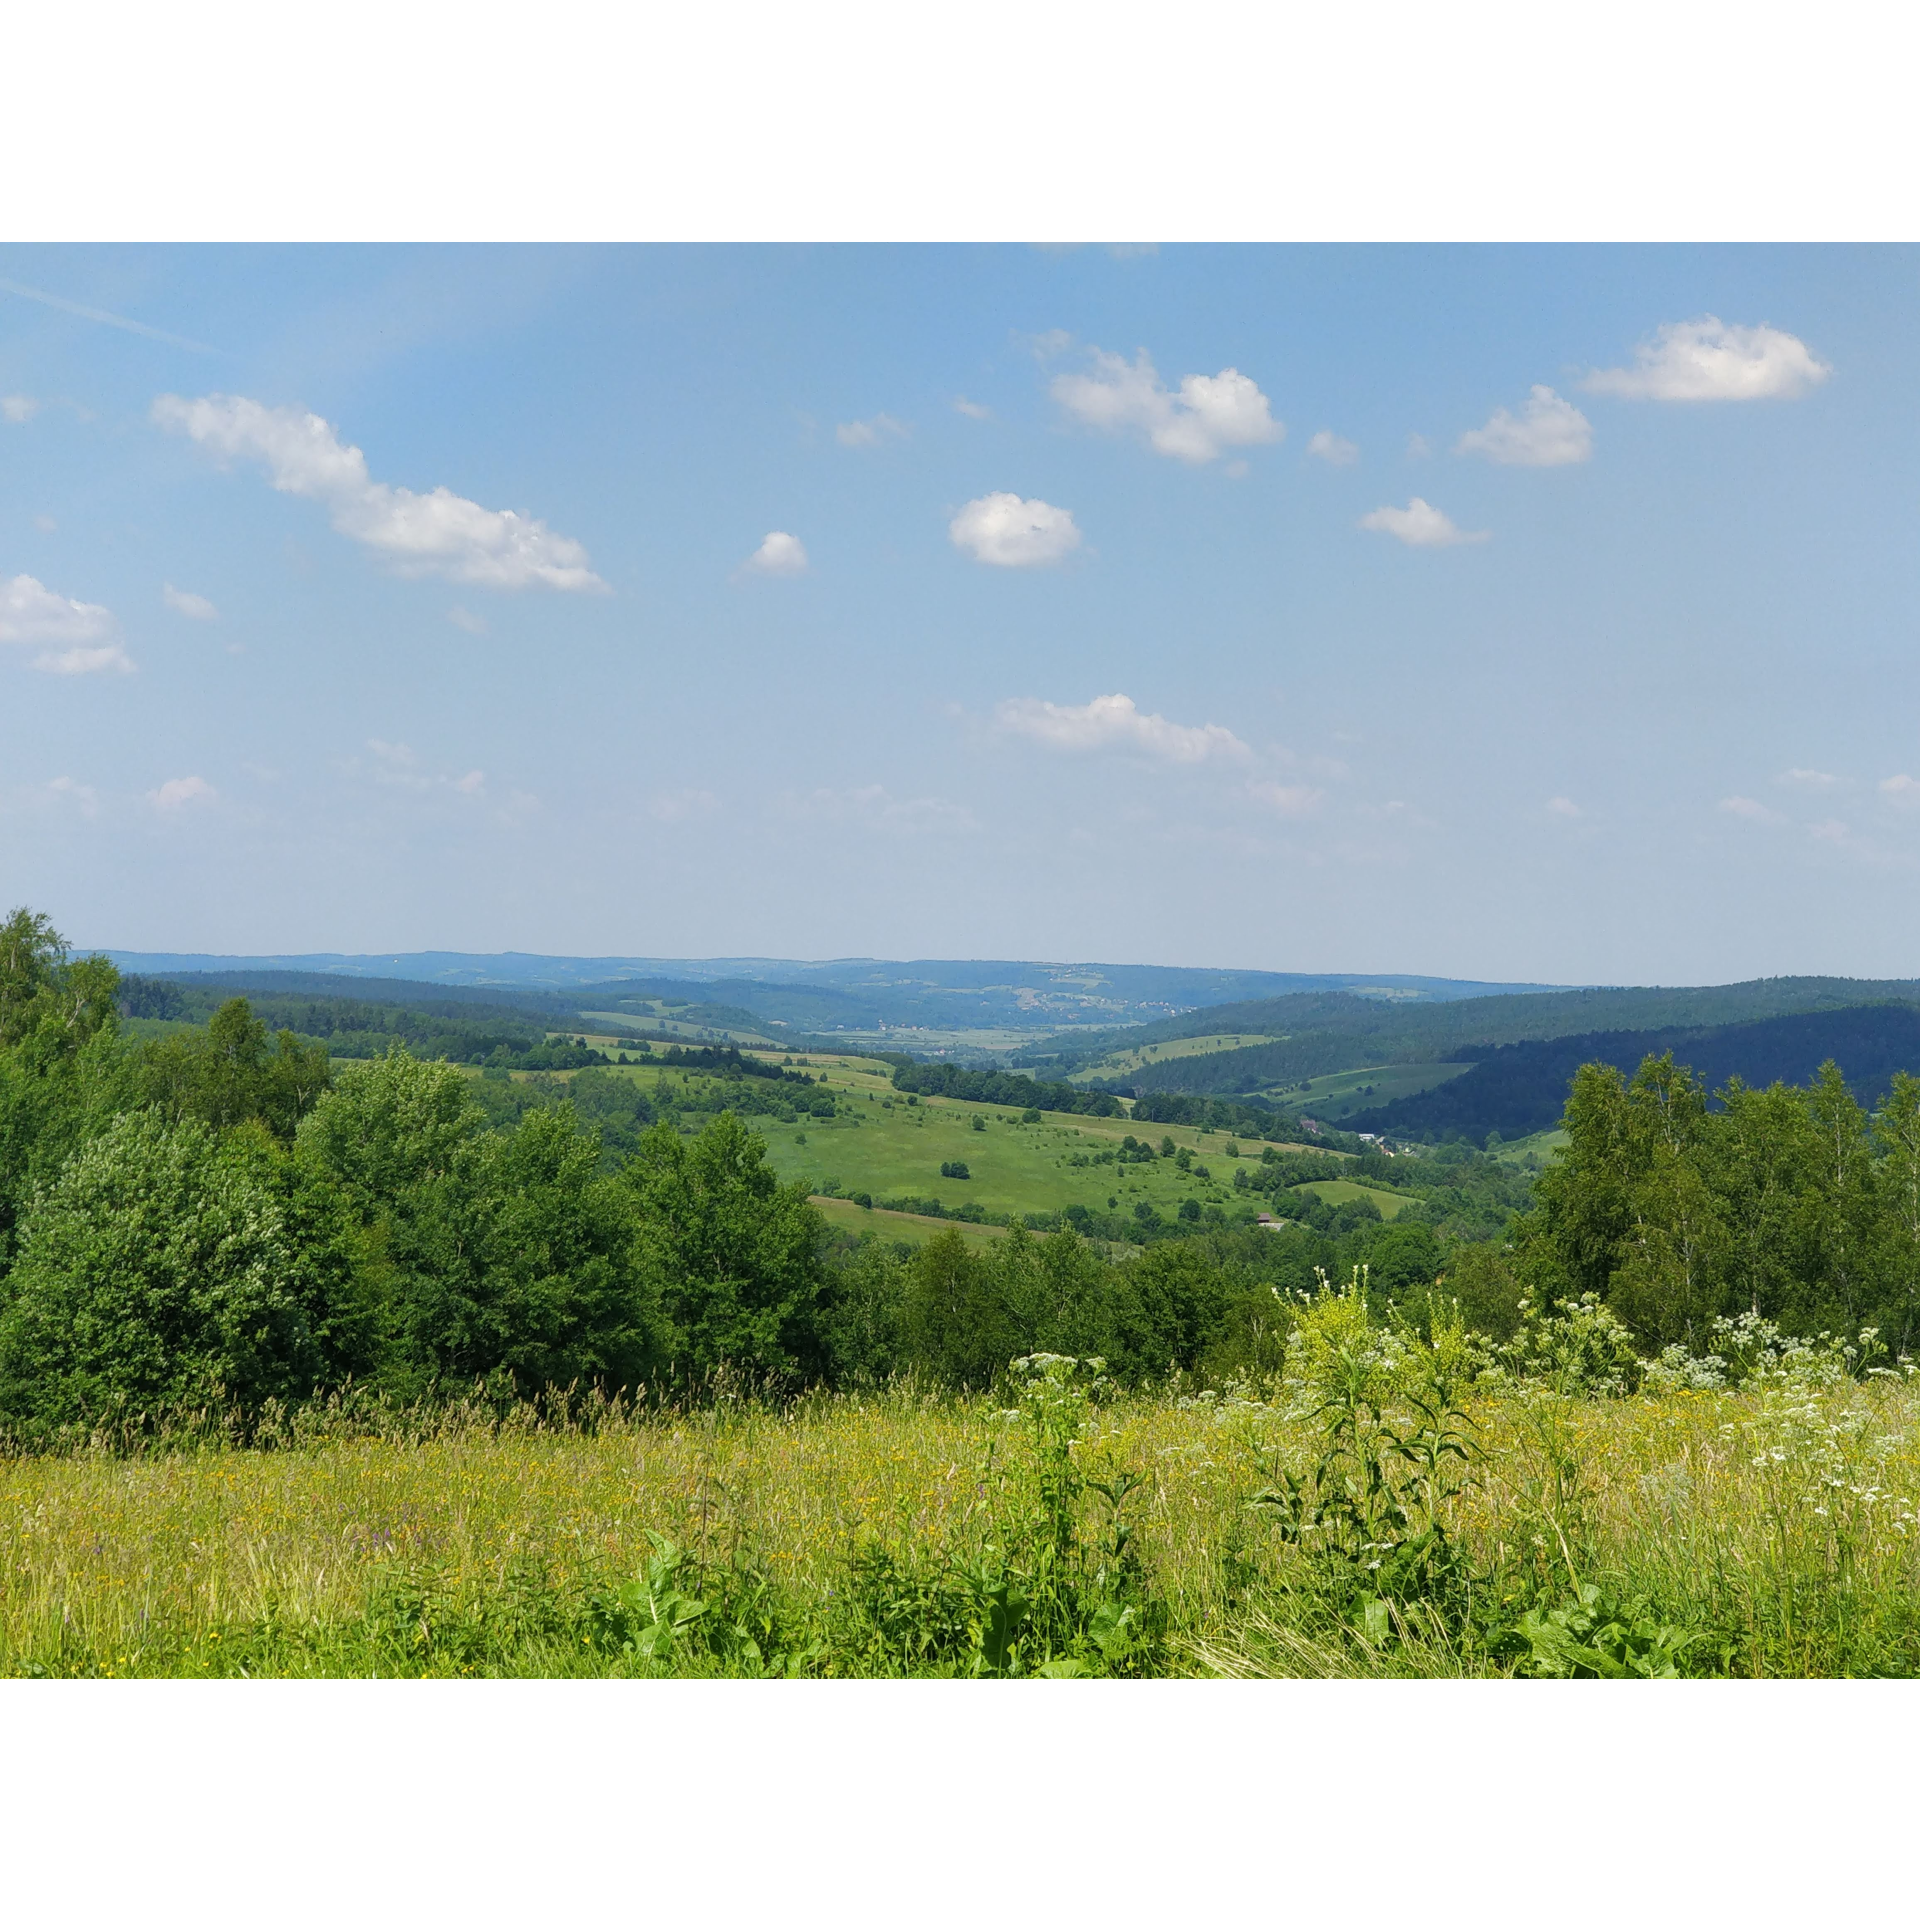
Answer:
(1391, 1505)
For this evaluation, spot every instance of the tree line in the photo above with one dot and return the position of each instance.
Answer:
(1678, 1206)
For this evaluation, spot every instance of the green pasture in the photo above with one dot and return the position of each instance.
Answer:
(894, 1150)
(1132, 1059)
(1334, 1096)
(625, 1028)
(915, 1229)
(1336, 1193)
(1532, 1151)
(960, 1042)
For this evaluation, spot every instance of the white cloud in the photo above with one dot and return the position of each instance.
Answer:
(1291, 803)
(1563, 808)
(1208, 414)
(1706, 359)
(971, 408)
(17, 407)
(1417, 447)
(1902, 789)
(422, 533)
(1419, 525)
(195, 606)
(1742, 808)
(80, 633)
(465, 621)
(86, 798)
(397, 765)
(1043, 346)
(876, 808)
(46, 523)
(1002, 530)
(1329, 446)
(29, 612)
(1112, 720)
(778, 554)
(108, 659)
(1550, 433)
(870, 433)
(171, 795)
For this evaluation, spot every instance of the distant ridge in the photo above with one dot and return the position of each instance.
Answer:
(855, 995)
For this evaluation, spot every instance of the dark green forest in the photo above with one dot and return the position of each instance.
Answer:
(1317, 1033)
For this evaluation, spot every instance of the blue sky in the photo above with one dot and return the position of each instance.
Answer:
(1522, 613)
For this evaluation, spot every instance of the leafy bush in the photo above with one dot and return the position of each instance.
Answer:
(168, 1267)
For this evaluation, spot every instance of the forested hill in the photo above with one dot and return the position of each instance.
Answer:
(1337, 1032)
(834, 996)
(1521, 1089)
(360, 1017)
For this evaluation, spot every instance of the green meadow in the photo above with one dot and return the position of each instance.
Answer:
(892, 1148)
(1338, 1192)
(1131, 1059)
(1333, 1097)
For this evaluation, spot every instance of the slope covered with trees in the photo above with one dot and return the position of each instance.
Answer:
(1520, 1089)
(1339, 1032)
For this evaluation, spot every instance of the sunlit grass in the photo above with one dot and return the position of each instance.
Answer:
(1784, 1520)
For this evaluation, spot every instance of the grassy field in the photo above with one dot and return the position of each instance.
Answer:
(1532, 1151)
(1132, 1059)
(1333, 1097)
(1777, 1524)
(1336, 1192)
(915, 1229)
(622, 1029)
(894, 1150)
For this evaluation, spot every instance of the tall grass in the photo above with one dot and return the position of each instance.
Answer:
(1776, 1525)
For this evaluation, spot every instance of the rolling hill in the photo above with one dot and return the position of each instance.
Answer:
(1521, 1088)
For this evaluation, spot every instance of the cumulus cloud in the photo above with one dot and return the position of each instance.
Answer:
(1336, 452)
(30, 612)
(18, 407)
(971, 408)
(870, 433)
(1197, 422)
(66, 788)
(1291, 803)
(77, 635)
(421, 533)
(1902, 789)
(1549, 432)
(170, 796)
(1002, 530)
(1112, 720)
(778, 554)
(1419, 525)
(1742, 808)
(465, 621)
(1563, 808)
(1706, 359)
(195, 606)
